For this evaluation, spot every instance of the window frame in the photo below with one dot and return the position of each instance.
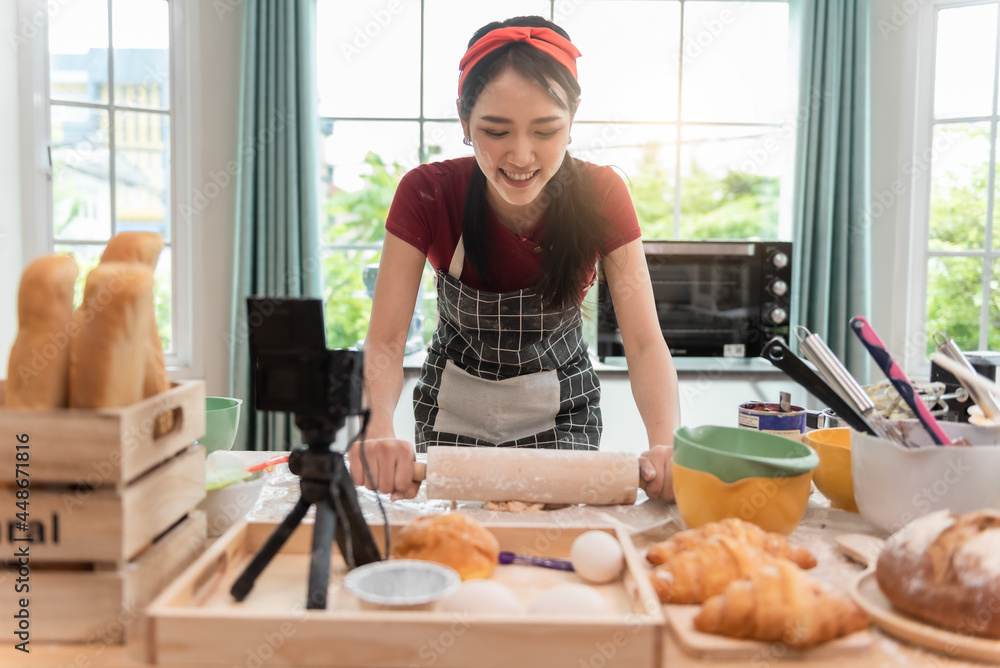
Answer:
(678, 127)
(916, 318)
(795, 16)
(186, 358)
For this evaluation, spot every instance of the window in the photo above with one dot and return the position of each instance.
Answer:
(695, 113)
(955, 169)
(107, 82)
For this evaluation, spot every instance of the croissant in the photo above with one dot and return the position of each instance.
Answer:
(779, 603)
(745, 532)
(704, 570)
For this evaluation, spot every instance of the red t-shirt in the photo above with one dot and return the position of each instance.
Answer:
(427, 210)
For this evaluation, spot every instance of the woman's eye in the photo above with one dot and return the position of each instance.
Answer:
(550, 133)
(495, 133)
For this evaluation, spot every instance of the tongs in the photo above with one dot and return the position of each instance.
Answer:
(843, 383)
(778, 354)
(984, 400)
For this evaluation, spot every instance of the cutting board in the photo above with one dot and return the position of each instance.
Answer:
(711, 646)
(867, 594)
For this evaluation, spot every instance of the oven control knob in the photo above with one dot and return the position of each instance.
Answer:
(779, 260)
(779, 288)
(779, 316)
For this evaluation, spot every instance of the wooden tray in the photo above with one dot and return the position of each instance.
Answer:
(106, 447)
(867, 594)
(711, 646)
(96, 606)
(188, 619)
(109, 525)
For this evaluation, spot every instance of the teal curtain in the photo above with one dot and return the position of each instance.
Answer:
(831, 201)
(277, 207)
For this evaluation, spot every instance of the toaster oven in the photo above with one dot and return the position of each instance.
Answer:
(713, 298)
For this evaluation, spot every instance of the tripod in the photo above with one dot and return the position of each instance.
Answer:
(324, 481)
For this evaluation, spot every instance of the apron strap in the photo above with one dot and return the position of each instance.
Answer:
(457, 260)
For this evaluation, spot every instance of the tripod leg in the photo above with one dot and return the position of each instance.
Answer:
(244, 583)
(319, 562)
(358, 547)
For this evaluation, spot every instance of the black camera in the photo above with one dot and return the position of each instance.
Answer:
(294, 371)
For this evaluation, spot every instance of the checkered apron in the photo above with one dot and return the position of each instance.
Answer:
(501, 370)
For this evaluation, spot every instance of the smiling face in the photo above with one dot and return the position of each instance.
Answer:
(520, 135)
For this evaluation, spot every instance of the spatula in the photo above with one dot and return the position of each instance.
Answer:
(887, 364)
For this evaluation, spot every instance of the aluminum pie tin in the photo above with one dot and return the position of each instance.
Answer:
(402, 582)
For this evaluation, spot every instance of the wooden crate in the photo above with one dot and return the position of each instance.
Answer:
(110, 524)
(272, 627)
(98, 606)
(101, 447)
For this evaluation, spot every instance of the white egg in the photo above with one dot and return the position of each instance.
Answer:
(481, 596)
(597, 557)
(569, 599)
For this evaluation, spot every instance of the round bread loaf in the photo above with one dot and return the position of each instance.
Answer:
(945, 569)
(454, 540)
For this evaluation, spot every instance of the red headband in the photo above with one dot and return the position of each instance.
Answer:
(544, 39)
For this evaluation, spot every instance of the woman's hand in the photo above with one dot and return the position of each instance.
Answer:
(654, 467)
(390, 461)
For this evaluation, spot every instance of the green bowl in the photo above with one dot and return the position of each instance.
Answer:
(732, 454)
(222, 418)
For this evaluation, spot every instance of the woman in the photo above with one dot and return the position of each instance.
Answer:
(514, 234)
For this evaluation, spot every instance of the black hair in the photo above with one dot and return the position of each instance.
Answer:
(575, 229)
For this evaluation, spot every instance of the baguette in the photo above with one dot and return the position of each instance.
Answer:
(38, 366)
(144, 248)
(108, 355)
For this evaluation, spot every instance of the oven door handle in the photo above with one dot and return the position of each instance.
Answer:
(778, 354)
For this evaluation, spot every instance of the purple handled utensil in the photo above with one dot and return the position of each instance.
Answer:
(557, 564)
(898, 379)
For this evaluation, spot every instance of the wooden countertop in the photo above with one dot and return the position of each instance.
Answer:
(649, 521)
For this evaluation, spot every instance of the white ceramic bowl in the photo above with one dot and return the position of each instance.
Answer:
(894, 485)
(226, 505)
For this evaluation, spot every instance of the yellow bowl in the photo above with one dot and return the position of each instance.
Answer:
(773, 504)
(833, 476)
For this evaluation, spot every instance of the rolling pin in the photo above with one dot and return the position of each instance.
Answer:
(534, 476)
